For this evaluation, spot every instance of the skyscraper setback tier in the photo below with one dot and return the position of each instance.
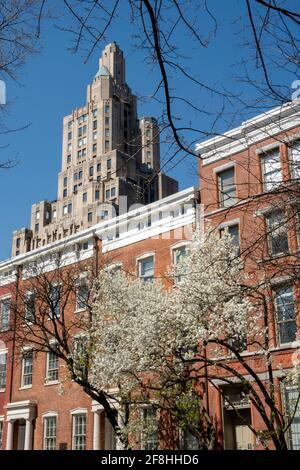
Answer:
(110, 161)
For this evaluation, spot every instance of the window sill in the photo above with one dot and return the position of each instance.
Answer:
(81, 310)
(25, 387)
(282, 347)
(2, 390)
(47, 383)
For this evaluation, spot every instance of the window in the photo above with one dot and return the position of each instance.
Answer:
(233, 231)
(271, 170)
(3, 365)
(69, 135)
(1, 432)
(36, 228)
(29, 313)
(285, 314)
(112, 192)
(65, 181)
(54, 301)
(98, 167)
(188, 441)
(65, 210)
(94, 125)
(107, 194)
(94, 147)
(75, 188)
(65, 193)
(149, 433)
(70, 124)
(82, 296)
(95, 135)
(103, 215)
(97, 194)
(91, 170)
(293, 413)
(106, 109)
(69, 148)
(148, 155)
(27, 369)
(50, 426)
(95, 112)
(18, 242)
(69, 158)
(277, 233)
(4, 314)
(79, 432)
(106, 121)
(178, 254)
(227, 190)
(54, 214)
(107, 145)
(82, 119)
(37, 215)
(90, 217)
(295, 160)
(84, 197)
(146, 268)
(81, 131)
(106, 132)
(109, 164)
(70, 208)
(52, 367)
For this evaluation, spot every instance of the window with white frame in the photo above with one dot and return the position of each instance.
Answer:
(82, 296)
(1, 432)
(146, 268)
(51, 367)
(4, 313)
(179, 253)
(3, 367)
(295, 160)
(54, 300)
(149, 437)
(285, 314)
(27, 367)
(188, 441)
(233, 231)
(79, 432)
(277, 233)
(227, 188)
(80, 356)
(29, 314)
(50, 427)
(271, 169)
(292, 403)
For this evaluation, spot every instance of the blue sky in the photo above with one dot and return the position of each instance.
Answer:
(54, 81)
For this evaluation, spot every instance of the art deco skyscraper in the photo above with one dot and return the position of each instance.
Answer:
(107, 153)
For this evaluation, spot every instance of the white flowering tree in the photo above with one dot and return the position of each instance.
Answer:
(162, 347)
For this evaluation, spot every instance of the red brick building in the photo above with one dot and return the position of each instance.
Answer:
(40, 407)
(249, 184)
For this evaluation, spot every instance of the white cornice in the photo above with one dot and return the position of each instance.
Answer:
(67, 245)
(252, 131)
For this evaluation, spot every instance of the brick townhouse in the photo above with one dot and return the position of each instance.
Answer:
(40, 407)
(249, 184)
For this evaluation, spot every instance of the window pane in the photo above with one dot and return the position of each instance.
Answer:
(149, 435)
(293, 410)
(147, 268)
(295, 161)
(285, 311)
(27, 369)
(50, 433)
(79, 432)
(3, 362)
(278, 239)
(272, 170)
(4, 314)
(52, 367)
(227, 190)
